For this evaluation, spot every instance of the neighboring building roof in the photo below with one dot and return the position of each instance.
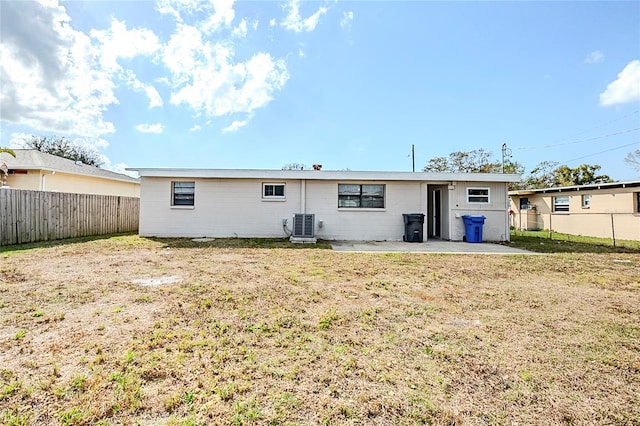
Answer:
(589, 187)
(324, 175)
(32, 159)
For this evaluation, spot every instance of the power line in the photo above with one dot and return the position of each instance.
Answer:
(606, 123)
(585, 131)
(621, 132)
(602, 152)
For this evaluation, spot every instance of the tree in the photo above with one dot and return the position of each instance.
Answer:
(548, 174)
(8, 151)
(584, 174)
(65, 148)
(476, 161)
(294, 166)
(541, 176)
(633, 160)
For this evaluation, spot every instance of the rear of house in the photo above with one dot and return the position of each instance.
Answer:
(607, 210)
(345, 205)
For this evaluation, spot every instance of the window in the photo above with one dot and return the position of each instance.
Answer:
(524, 203)
(273, 190)
(637, 209)
(561, 204)
(478, 195)
(360, 196)
(586, 201)
(183, 193)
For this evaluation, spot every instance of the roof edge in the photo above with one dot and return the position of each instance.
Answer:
(587, 187)
(322, 174)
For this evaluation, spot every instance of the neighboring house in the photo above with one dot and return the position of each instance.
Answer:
(35, 170)
(604, 210)
(347, 205)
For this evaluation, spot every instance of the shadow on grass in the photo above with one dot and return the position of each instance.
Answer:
(238, 243)
(545, 245)
(177, 243)
(56, 243)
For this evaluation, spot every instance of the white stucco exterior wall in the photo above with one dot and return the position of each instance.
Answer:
(234, 207)
(496, 226)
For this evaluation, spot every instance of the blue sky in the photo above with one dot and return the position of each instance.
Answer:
(346, 84)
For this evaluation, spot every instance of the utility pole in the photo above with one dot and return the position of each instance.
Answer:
(506, 153)
(413, 157)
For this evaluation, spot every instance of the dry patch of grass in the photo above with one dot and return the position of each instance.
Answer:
(307, 336)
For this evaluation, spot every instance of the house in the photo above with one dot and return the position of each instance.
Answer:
(35, 170)
(346, 205)
(606, 210)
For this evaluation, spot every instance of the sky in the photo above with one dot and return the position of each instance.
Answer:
(346, 84)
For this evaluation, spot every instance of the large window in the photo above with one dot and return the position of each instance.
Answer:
(273, 191)
(360, 196)
(561, 204)
(183, 193)
(478, 195)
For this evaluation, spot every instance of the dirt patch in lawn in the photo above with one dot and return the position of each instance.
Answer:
(95, 333)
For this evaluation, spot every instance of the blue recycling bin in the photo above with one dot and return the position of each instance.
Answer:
(473, 227)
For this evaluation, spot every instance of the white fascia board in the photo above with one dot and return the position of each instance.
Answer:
(325, 175)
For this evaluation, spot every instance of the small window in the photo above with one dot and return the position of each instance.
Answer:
(637, 209)
(586, 201)
(478, 195)
(524, 203)
(183, 193)
(561, 204)
(273, 190)
(361, 196)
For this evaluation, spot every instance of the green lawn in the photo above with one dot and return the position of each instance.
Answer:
(543, 242)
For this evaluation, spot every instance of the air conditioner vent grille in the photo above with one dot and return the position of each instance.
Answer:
(303, 225)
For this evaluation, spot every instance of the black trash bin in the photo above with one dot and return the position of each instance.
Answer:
(413, 223)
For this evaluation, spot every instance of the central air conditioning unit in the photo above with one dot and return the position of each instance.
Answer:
(303, 226)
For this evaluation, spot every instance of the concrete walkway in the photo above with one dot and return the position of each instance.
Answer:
(430, 246)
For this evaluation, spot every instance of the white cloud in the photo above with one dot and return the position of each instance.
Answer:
(347, 18)
(48, 75)
(177, 7)
(220, 13)
(626, 88)
(272, 22)
(594, 57)
(118, 42)
(222, 17)
(119, 168)
(241, 29)
(295, 22)
(235, 125)
(155, 100)
(300, 52)
(206, 78)
(195, 128)
(150, 128)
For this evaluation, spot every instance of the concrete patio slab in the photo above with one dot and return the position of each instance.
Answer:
(430, 246)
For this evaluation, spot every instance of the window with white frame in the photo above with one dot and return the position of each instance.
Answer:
(586, 201)
(183, 193)
(478, 195)
(561, 203)
(273, 191)
(364, 196)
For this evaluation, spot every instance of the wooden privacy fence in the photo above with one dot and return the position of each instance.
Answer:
(31, 216)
